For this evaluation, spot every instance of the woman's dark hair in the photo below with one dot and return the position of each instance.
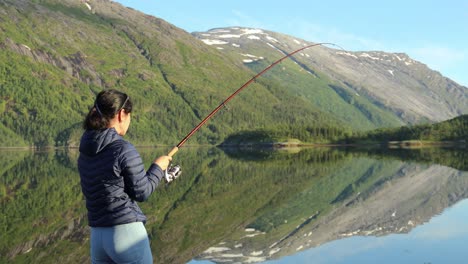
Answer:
(107, 104)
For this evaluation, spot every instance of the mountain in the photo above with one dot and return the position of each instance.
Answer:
(371, 82)
(56, 55)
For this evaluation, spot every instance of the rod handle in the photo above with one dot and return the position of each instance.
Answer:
(173, 151)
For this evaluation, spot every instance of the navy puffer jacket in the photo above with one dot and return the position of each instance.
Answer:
(113, 178)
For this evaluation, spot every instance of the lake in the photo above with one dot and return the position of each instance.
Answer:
(309, 205)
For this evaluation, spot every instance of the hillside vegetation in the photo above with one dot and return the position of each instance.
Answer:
(55, 56)
(364, 88)
(453, 130)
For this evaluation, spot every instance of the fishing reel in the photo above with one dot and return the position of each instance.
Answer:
(172, 173)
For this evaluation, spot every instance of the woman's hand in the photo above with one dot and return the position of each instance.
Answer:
(163, 162)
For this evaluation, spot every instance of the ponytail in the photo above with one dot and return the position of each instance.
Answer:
(107, 104)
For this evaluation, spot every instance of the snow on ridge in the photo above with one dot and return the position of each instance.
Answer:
(250, 56)
(232, 255)
(274, 251)
(216, 249)
(379, 57)
(297, 41)
(254, 235)
(350, 233)
(253, 37)
(271, 45)
(407, 61)
(248, 31)
(214, 42)
(229, 36)
(347, 54)
(220, 30)
(272, 39)
(220, 36)
(367, 55)
(254, 259)
(236, 33)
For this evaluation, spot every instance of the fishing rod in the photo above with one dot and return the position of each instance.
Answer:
(196, 128)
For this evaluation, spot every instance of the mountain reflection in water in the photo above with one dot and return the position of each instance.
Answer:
(442, 240)
(231, 206)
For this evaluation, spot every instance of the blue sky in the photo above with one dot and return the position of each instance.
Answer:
(432, 32)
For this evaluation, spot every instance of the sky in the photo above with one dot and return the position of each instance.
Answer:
(432, 32)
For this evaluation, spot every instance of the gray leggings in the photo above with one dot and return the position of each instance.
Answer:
(126, 243)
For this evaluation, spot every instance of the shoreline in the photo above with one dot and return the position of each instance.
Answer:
(405, 144)
(409, 144)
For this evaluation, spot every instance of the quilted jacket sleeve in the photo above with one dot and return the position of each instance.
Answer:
(139, 184)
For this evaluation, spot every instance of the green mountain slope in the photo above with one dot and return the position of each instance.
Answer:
(307, 82)
(56, 55)
(365, 88)
(453, 130)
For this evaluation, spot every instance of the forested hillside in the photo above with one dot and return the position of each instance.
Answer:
(55, 56)
(453, 130)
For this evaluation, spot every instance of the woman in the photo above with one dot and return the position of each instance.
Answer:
(113, 179)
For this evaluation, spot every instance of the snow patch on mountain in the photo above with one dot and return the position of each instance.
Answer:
(222, 36)
(253, 37)
(214, 42)
(373, 74)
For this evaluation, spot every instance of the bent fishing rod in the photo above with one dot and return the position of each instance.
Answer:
(196, 128)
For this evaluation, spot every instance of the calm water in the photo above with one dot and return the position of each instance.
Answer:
(315, 205)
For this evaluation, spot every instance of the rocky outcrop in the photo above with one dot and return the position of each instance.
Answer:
(74, 65)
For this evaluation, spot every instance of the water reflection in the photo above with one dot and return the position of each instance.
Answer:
(442, 240)
(359, 196)
(234, 207)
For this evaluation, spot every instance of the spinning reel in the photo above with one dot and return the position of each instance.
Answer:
(172, 173)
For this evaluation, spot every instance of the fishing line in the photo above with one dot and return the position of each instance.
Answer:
(196, 128)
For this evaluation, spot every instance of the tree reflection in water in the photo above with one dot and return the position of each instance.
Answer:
(230, 205)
